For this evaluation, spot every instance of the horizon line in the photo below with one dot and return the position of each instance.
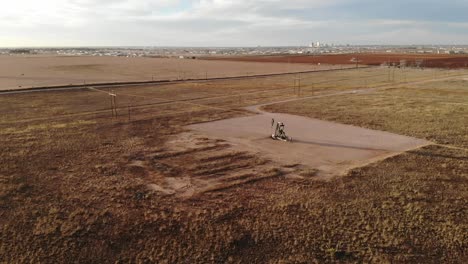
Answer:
(227, 47)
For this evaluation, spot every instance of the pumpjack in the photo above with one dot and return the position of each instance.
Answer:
(279, 133)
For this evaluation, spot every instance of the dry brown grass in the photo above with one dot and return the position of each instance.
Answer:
(75, 188)
(225, 93)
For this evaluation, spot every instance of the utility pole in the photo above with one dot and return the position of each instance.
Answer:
(129, 105)
(129, 113)
(389, 69)
(300, 90)
(113, 103)
(297, 84)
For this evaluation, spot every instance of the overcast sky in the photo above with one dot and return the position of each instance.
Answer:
(231, 22)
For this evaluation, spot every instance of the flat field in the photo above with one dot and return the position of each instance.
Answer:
(82, 183)
(38, 71)
(375, 59)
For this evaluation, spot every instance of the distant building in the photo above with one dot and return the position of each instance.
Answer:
(314, 44)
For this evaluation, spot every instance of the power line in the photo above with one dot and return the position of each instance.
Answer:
(168, 102)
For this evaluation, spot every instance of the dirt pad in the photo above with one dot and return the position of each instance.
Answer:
(329, 147)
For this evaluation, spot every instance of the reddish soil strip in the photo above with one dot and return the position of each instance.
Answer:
(329, 147)
(434, 61)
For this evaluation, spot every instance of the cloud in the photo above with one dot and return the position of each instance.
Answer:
(230, 22)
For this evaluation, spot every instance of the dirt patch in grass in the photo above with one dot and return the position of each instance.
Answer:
(436, 111)
(122, 195)
(328, 147)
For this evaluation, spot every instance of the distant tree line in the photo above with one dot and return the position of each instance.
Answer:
(20, 51)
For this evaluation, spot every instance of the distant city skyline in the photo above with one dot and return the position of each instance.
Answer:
(229, 23)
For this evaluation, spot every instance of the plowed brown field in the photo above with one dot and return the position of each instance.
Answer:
(18, 72)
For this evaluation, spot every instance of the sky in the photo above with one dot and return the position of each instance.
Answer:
(230, 23)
